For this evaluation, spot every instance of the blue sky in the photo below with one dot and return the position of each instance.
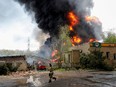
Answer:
(16, 26)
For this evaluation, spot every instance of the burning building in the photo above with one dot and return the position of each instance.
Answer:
(72, 56)
(51, 15)
(108, 50)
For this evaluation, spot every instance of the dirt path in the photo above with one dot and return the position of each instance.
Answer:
(79, 78)
(84, 78)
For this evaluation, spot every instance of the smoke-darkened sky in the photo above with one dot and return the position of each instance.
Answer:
(16, 25)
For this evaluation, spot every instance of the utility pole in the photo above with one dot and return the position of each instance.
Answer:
(28, 45)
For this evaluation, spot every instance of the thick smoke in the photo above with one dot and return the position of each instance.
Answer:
(45, 52)
(40, 36)
(51, 14)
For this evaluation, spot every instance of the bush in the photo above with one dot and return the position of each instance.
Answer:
(6, 68)
(11, 68)
(3, 69)
(108, 67)
(94, 60)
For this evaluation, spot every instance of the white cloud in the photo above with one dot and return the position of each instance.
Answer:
(105, 11)
(15, 27)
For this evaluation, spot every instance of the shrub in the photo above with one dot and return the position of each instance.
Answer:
(7, 67)
(3, 69)
(94, 60)
(11, 68)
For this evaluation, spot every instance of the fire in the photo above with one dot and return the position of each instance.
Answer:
(73, 44)
(75, 40)
(70, 28)
(54, 60)
(95, 20)
(92, 40)
(92, 19)
(54, 53)
(73, 19)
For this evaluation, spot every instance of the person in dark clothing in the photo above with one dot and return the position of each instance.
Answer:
(51, 73)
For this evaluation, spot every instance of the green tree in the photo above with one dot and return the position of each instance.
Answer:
(64, 38)
(63, 44)
(110, 37)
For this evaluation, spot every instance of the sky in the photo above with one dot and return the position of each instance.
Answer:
(105, 10)
(16, 26)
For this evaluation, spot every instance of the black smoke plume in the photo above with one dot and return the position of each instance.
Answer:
(51, 14)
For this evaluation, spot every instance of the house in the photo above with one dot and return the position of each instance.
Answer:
(71, 58)
(108, 49)
(19, 61)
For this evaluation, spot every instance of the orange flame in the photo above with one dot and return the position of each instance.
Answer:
(73, 18)
(54, 53)
(92, 40)
(70, 28)
(92, 18)
(73, 44)
(73, 21)
(75, 40)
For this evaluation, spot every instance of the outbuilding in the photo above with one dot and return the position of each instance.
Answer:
(19, 61)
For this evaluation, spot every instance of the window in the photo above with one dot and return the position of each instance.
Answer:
(107, 54)
(69, 58)
(114, 56)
